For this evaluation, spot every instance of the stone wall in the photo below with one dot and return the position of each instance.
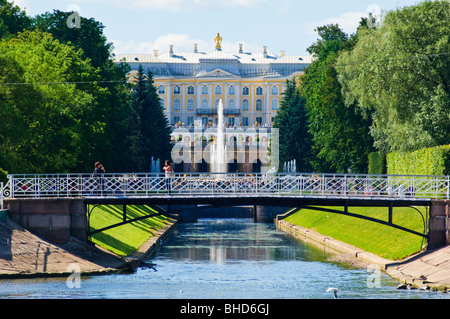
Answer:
(54, 219)
(439, 224)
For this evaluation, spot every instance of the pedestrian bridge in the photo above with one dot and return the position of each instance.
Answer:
(351, 186)
(262, 191)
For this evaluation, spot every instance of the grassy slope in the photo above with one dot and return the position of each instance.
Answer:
(384, 241)
(126, 239)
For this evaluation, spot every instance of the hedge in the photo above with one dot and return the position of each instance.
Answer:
(377, 163)
(426, 161)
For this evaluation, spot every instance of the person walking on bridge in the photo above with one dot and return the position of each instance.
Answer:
(168, 169)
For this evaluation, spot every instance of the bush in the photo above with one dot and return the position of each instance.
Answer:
(377, 163)
(3, 176)
(426, 161)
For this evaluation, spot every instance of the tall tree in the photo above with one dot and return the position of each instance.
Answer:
(12, 20)
(113, 104)
(292, 122)
(340, 134)
(149, 130)
(399, 73)
(45, 123)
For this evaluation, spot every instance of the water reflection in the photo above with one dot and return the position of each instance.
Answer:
(234, 240)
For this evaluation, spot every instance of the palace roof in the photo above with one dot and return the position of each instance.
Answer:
(199, 64)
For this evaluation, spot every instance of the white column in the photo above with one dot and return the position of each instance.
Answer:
(169, 102)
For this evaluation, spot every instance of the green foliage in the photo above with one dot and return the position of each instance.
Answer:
(340, 134)
(399, 74)
(72, 111)
(44, 125)
(112, 107)
(89, 37)
(3, 176)
(426, 161)
(12, 20)
(292, 122)
(377, 163)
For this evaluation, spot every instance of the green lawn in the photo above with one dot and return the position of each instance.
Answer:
(126, 239)
(382, 240)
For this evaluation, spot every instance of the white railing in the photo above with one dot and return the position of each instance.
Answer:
(118, 185)
(1, 195)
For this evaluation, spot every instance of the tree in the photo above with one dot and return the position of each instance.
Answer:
(12, 20)
(399, 74)
(88, 37)
(113, 104)
(47, 120)
(292, 122)
(148, 126)
(340, 134)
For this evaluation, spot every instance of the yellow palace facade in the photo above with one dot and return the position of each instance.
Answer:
(190, 84)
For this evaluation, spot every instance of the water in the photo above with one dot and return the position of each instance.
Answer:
(225, 259)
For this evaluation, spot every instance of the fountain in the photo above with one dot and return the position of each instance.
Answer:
(218, 154)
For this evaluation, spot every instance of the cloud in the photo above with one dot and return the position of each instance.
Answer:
(347, 21)
(20, 3)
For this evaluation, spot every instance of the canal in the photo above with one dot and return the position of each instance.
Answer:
(227, 259)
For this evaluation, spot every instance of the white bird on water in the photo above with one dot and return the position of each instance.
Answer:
(334, 290)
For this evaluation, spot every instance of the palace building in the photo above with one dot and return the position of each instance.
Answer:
(191, 84)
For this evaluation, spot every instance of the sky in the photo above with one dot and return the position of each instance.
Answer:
(141, 26)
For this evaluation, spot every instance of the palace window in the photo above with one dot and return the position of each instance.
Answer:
(176, 105)
(190, 120)
(162, 103)
(176, 119)
(259, 91)
(190, 90)
(204, 89)
(245, 121)
(218, 89)
(190, 105)
(258, 120)
(231, 90)
(161, 89)
(259, 105)
(204, 104)
(176, 90)
(274, 104)
(274, 90)
(245, 105)
(231, 104)
(245, 90)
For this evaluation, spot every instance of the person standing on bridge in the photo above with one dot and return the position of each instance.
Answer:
(168, 169)
(97, 174)
(98, 169)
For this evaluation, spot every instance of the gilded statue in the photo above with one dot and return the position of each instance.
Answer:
(218, 41)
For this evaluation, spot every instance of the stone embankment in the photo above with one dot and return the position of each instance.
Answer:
(25, 255)
(428, 270)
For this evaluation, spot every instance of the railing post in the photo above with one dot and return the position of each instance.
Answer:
(448, 187)
(1, 195)
(37, 186)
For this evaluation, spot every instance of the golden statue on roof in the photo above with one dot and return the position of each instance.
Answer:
(218, 41)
